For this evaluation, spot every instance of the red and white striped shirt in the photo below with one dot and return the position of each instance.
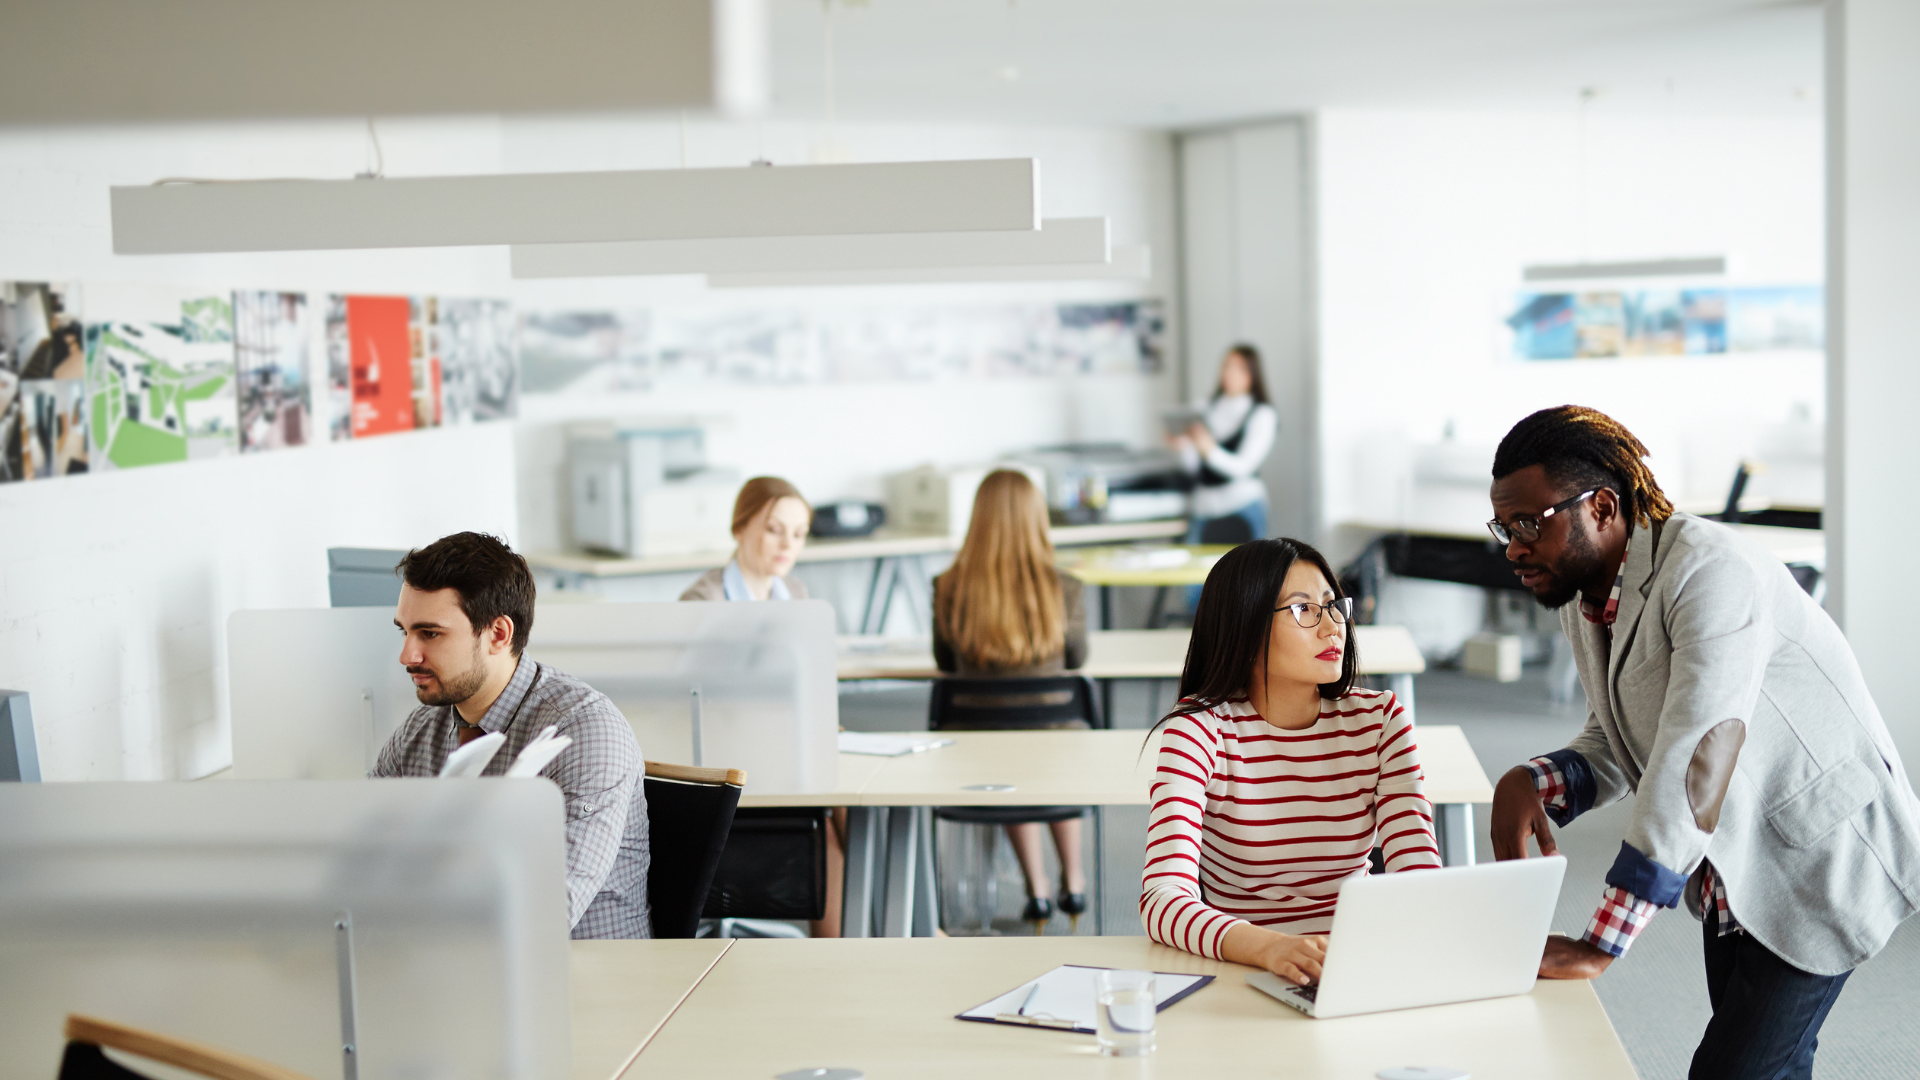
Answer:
(1254, 823)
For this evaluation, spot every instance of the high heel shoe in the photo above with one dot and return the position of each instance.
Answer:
(1038, 911)
(1073, 905)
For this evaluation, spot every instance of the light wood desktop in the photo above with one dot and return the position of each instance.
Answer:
(890, 877)
(1114, 654)
(887, 1008)
(623, 991)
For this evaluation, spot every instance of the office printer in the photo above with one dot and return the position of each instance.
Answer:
(1094, 482)
(643, 488)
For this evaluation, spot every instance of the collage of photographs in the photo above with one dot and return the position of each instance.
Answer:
(105, 377)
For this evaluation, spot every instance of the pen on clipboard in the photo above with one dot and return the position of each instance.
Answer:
(1028, 1000)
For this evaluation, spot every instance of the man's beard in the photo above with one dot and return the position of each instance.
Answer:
(1579, 566)
(454, 689)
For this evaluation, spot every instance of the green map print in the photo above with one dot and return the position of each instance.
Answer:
(163, 392)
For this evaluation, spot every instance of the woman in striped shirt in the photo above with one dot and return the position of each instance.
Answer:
(1276, 774)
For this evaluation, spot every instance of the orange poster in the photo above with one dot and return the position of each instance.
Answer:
(382, 364)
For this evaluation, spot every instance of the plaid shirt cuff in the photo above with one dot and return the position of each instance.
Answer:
(1549, 781)
(1619, 919)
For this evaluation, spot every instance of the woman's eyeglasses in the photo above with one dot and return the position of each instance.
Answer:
(1308, 615)
(1527, 529)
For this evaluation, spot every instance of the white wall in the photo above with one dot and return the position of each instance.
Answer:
(1873, 496)
(1426, 219)
(115, 588)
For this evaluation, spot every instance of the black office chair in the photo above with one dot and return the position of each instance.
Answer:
(1010, 704)
(774, 868)
(689, 813)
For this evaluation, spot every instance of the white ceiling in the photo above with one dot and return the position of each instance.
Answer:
(1183, 63)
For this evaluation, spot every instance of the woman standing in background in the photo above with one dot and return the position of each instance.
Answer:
(1224, 453)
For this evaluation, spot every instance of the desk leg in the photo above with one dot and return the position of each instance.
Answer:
(926, 895)
(901, 878)
(886, 572)
(856, 897)
(1402, 687)
(1454, 823)
(1106, 607)
(1097, 894)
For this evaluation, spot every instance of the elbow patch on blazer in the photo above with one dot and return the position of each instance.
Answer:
(1645, 878)
(1711, 770)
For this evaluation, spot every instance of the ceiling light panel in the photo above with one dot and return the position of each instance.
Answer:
(1058, 241)
(1129, 262)
(572, 208)
(259, 59)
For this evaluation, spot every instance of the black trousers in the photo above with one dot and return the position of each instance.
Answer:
(1766, 1012)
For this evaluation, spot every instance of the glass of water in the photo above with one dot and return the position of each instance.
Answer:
(1126, 1010)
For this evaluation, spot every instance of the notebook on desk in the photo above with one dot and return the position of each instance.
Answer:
(1063, 999)
(889, 744)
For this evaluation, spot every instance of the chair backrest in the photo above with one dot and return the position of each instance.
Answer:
(1012, 704)
(1232, 529)
(689, 812)
(775, 866)
(84, 1061)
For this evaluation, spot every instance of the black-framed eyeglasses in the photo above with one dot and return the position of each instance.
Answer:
(1527, 529)
(1308, 615)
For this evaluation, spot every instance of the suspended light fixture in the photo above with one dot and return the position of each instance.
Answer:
(179, 217)
(1129, 262)
(226, 60)
(1705, 265)
(1059, 241)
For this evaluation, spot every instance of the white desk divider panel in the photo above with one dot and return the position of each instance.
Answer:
(741, 686)
(315, 692)
(371, 929)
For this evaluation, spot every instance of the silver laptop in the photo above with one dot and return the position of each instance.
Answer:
(1431, 937)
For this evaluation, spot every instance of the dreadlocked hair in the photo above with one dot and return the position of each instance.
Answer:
(1586, 447)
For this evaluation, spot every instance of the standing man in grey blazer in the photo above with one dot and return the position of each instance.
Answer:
(1768, 794)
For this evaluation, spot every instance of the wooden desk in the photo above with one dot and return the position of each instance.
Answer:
(1127, 654)
(623, 991)
(892, 798)
(887, 1007)
(895, 553)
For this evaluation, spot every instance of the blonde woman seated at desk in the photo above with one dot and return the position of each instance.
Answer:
(1277, 776)
(770, 522)
(1003, 610)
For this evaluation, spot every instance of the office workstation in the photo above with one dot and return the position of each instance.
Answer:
(914, 537)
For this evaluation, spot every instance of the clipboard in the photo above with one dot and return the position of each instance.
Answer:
(1063, 999)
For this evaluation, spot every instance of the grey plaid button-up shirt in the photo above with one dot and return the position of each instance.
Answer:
(600, 775)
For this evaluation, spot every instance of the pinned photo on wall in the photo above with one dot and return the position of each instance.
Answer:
(1599, 324)
(54, 438)
(41, 341)
(479, 373)
(1543, 326)
(1784, 318)
(160, 376)
(273, 340)
(1653, 323)
(337, 397)
(1703, 314)
(423, 313)
(380, 359)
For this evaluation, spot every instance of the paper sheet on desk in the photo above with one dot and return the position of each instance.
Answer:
(1067, 994)
(887, 744)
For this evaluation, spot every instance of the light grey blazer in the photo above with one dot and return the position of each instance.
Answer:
(1731, 706)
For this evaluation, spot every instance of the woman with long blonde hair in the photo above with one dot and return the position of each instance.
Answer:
(1003, 609)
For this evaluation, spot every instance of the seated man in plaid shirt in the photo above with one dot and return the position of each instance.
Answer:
(466, 610)
(1768, 795)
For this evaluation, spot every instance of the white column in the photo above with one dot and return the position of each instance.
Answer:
(1873, 366)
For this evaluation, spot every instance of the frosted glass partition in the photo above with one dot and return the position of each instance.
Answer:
(315, 691)
(765, 674)
(233, 913)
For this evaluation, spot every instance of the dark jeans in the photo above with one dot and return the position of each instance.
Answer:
(1766, 1013)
